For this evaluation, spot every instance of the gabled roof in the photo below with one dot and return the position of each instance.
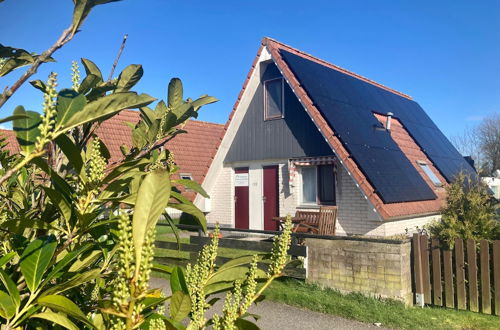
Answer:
(343, 105)
(193, 151)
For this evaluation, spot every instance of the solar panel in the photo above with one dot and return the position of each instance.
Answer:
(348, 104)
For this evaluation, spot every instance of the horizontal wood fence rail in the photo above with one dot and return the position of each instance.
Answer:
(466, 277)
(196, 244)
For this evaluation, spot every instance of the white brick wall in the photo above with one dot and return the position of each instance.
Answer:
(410, 225)
(221, 196)
(355, 213)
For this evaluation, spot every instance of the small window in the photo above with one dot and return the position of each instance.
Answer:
(273, 99)
(318, 185)
(186, 177)
(427, 170)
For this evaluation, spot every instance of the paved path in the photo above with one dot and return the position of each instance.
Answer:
(280, 316)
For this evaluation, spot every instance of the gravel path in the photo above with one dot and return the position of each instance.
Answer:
(280, 316)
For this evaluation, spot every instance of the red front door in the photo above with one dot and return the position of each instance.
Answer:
(271, 206)
(241, 198)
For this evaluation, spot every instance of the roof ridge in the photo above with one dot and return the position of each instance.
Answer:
(265, 41)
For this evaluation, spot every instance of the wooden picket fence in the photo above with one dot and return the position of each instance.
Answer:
(466, 277)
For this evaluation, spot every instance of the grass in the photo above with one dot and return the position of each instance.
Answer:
(388, 312)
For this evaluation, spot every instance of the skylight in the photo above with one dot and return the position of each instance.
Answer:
(427, 170)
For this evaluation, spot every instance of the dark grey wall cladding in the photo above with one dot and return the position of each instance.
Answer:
(293, 136)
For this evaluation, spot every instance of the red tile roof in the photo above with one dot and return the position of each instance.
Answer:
(193, 151)
(387, 211)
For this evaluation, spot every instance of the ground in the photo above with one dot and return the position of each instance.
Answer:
(280, 316)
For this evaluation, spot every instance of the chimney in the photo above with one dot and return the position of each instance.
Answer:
(388, 121)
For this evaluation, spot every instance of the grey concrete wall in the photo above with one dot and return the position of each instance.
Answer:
(374, 268)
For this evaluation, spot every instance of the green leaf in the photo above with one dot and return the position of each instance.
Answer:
(129, 77)
(69, 102)
(242, 324)
(193, 210)
(180, 305)
(175, 92)
(71, 151)
(6, 258)
(35, 260)
(58, 200)
(193, 185)
(11, 288)
(13, 117)
(38, 84)
(91, 68)
(66, 306)
(64, 262)
(26, 128)
(56, 318)
(85, 261)
(232, 274)
(7, 306)
(76, 280)
(162, 268)
(107, 105)
(204, 100)
(178, 280)
(88, 83)
(244, 260)
(152, 199)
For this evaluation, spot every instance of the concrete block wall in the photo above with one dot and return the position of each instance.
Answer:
(377, 269)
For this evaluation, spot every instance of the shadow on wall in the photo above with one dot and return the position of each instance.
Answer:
(353, 210)
(285, 186)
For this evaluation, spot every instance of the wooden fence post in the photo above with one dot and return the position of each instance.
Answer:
(417, 267)
(496, 275)
(485, 277)
(448, 279)
(472, 275)
(460, 274)
(436, 273)
(426, 274)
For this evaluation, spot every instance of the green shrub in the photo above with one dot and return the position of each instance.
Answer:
(469, 213)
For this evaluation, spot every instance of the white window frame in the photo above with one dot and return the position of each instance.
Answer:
(301, 188)
(430, 174)
(266, 117)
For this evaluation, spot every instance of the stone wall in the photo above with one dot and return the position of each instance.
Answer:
(372, 267)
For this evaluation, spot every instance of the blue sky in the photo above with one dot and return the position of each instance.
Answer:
(445, 54)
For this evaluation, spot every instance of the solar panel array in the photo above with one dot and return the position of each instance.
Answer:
(348, 104)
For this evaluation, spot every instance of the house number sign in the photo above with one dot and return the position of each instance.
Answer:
(241, 180)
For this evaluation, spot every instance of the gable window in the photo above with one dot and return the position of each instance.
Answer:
(318, 185)
(274, 98)
(427, 170)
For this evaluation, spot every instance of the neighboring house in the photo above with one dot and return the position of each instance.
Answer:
(193, 151)
(305, 133)
(494, 183)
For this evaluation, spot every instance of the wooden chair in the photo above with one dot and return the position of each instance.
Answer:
(309, 225)
(327, 220)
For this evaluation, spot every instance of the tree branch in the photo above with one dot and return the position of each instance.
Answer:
(65, 37)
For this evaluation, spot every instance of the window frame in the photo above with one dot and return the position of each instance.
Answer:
(429, 173)
(267, 117)
(319, 182)
(184, 175)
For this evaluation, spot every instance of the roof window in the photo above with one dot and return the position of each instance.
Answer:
(427, 170)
